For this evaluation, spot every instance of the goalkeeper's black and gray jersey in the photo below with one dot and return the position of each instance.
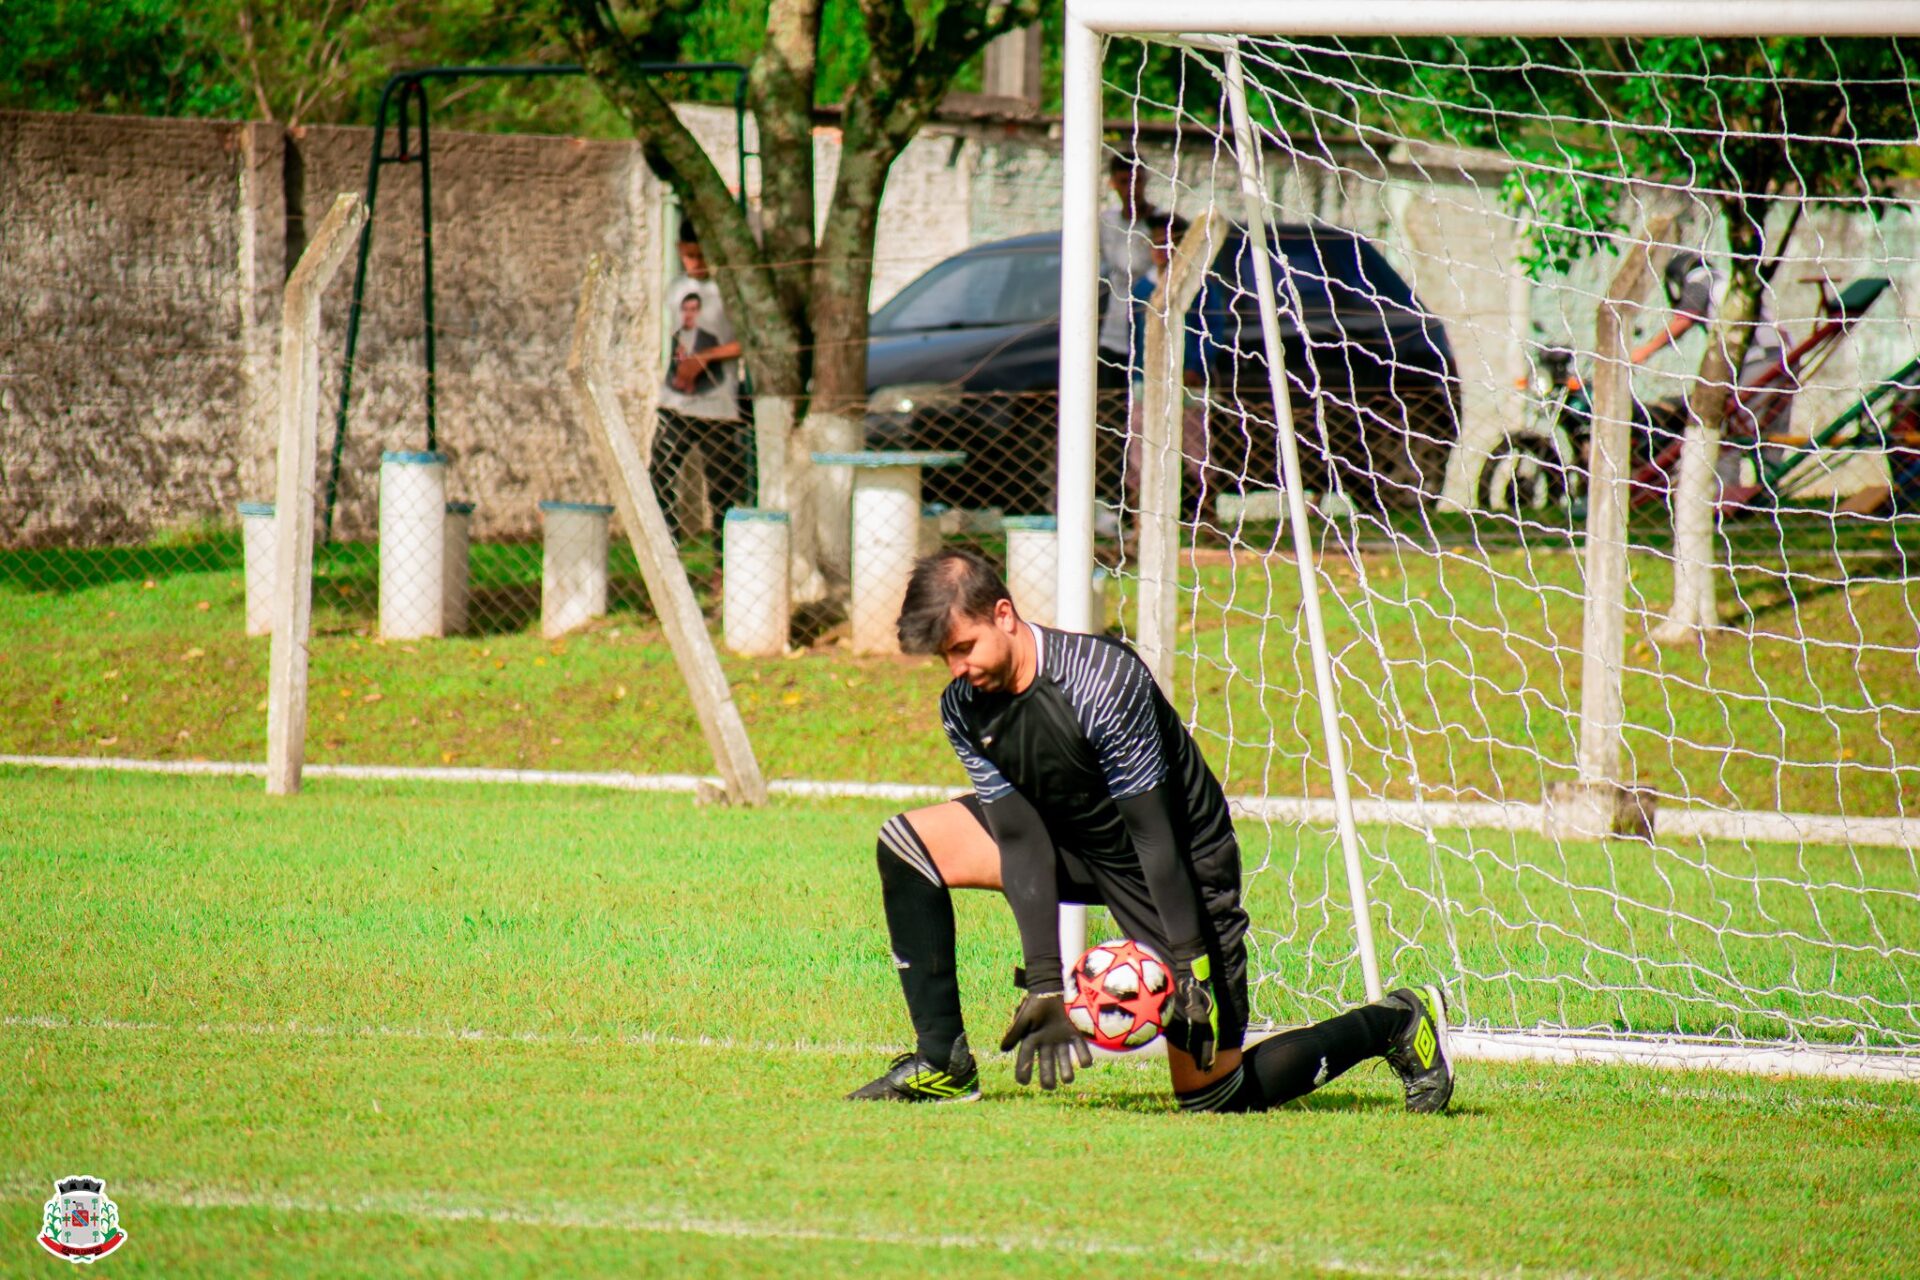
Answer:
(1092, 728)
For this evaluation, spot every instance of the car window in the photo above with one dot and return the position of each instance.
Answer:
(976, 291)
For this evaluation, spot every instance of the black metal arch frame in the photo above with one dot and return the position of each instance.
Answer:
(408, 91)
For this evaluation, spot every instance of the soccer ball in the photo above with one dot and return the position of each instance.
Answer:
(1120, 995)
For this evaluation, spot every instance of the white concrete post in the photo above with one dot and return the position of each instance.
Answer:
(573, 565)
(293, 490)
(756, 602)
(256, 545)
(413, 543)
(886, 536)
(1598, 804)
(455, 576)
(666, 578)
(1163, 446)
(1033, 567)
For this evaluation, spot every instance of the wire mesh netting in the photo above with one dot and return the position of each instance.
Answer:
(1445, 219)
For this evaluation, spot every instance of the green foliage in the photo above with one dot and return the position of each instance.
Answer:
(1739, 124)
(314, 62)
(133, 57)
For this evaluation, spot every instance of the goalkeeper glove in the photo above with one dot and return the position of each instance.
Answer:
(1193, 1020)
(1041, 1031)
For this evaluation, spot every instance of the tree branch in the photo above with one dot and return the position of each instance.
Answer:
(602, 47)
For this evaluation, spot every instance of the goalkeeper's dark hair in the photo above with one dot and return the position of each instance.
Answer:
(954, 582)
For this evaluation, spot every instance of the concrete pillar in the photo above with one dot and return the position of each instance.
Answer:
(573, 565)
(413, 551)
(256, 542)
(454, 577)
(756, 599)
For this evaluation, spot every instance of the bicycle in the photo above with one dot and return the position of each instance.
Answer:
(1543, 462)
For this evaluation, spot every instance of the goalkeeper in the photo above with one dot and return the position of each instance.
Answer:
(1087, 788)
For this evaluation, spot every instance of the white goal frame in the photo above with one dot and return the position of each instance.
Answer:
(1215, 24)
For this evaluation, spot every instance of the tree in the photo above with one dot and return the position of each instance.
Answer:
(797, 284)
(1750, 132)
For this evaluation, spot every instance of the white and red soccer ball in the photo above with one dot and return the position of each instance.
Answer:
(1120, 995)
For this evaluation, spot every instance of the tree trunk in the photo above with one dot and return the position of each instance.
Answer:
(800, 308)
(1696, 493)
(842, 284)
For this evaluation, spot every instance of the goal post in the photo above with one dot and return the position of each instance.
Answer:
(1696, 854)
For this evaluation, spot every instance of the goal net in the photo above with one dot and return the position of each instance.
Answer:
(1598, 356)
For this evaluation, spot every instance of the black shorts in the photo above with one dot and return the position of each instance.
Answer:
(1123, 892)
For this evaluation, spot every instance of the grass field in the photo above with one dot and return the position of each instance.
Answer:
(1461, 663)
(416, 1030)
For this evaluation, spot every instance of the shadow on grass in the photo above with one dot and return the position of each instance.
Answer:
(1765, 595)
(1161, 1101)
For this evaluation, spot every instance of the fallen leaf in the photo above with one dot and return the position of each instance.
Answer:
(539, 662)
(372, 697)
(553, 742)
(191, 654)
(793, 699)
(499, 664)
(107, 742)
(148, 585)
(112, 675)
(261, 705)
(203, 605)
(619, 691)
(346, 693)
(446, 757)
(183, 735)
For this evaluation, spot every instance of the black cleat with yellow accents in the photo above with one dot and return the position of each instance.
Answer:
(913, 1078)
(1419, 1053)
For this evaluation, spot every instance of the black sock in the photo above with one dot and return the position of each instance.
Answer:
(920, 923)
(1295, 1063)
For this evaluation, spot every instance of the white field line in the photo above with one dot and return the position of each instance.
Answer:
(1685, 1055)
(1715, 824)
(416, 1205)
(671, 782)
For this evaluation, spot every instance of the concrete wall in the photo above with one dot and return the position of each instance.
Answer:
(141, 264)
(124, 282)
(515, 220)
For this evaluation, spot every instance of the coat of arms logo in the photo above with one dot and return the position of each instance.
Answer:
(82, 1225)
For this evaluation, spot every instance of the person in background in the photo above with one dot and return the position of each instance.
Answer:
(1126, 254)
(700, 392)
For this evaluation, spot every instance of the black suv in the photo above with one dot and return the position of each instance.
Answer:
(968, 357)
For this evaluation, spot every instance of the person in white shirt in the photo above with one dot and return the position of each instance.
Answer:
(1126, 254)
(700, 392)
